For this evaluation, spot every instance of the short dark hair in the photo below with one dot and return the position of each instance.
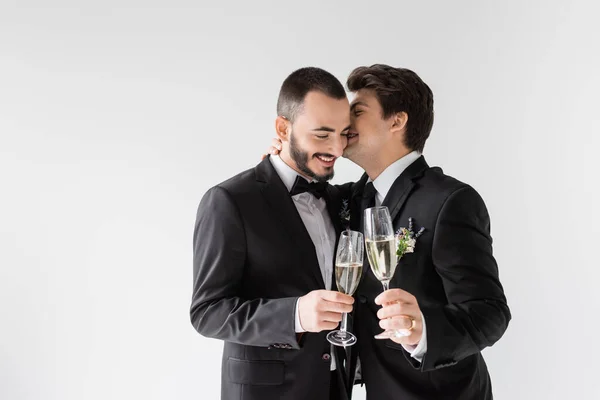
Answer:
(296, 86)
(399, 90)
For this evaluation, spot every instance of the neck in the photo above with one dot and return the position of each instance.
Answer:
(379, 163)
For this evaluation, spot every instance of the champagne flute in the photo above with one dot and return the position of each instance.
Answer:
(348, 271)
(381, 252)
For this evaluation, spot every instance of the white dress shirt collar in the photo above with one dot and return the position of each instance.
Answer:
(383, 183)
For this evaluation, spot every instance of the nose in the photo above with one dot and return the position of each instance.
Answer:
(338, 146)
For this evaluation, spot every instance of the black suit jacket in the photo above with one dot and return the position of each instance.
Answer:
(253, 258)
(454, 277)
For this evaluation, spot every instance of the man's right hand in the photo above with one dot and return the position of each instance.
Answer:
(322, 309)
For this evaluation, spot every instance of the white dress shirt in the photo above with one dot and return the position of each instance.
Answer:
(316, 219)
(383, 183)
(317, 222)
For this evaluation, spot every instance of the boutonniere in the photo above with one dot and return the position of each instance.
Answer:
(406, 239)
(345, 213)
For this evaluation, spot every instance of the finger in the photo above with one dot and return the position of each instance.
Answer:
(329, 306)
(395, 309)
(397, 323)
(328, 316)
(336, 297)
(275, 142)
(394, 295)
(327, 326)
(412, 338)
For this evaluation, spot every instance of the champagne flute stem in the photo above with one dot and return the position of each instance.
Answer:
(386, 285)
(344, 322)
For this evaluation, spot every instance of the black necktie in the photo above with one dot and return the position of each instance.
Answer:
(368, 200)
(368, 197)
(301, 185)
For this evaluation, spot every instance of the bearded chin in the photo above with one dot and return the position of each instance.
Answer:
(300, 157)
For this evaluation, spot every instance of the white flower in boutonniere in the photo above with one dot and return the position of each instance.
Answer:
(406, 239)
(345, 214)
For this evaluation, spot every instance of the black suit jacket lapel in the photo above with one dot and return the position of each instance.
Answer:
(279, 199)
(403, 186)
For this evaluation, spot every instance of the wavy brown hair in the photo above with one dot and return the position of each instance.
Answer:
(399, 90)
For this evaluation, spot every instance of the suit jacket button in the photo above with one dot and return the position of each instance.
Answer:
(362, 299)
(326, 357)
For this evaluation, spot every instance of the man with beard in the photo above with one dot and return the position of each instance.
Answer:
(264, 244)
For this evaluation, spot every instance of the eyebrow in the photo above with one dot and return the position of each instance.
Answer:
(358, 103)
(328, 129)
(324, 129)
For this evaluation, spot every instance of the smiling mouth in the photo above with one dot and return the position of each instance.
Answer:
(352, 135)
(326, 159)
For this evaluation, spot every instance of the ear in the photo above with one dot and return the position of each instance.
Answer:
(282, 128)
(399, 121)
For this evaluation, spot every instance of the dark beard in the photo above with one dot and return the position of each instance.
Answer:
(300, 157)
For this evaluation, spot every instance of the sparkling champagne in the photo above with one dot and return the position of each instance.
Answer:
(347, 277)
(382, 257)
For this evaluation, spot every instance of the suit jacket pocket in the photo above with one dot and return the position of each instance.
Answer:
(258, 373)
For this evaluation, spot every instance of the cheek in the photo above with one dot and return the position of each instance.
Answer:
(370, 131)
(364, 129)
(365, 125)
(303, 144)
(310, 150)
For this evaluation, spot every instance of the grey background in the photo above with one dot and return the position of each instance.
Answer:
(116, 116)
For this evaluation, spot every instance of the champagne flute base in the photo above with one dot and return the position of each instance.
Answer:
(341, 338)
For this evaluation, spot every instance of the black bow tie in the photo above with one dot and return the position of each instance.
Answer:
(301, 185)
